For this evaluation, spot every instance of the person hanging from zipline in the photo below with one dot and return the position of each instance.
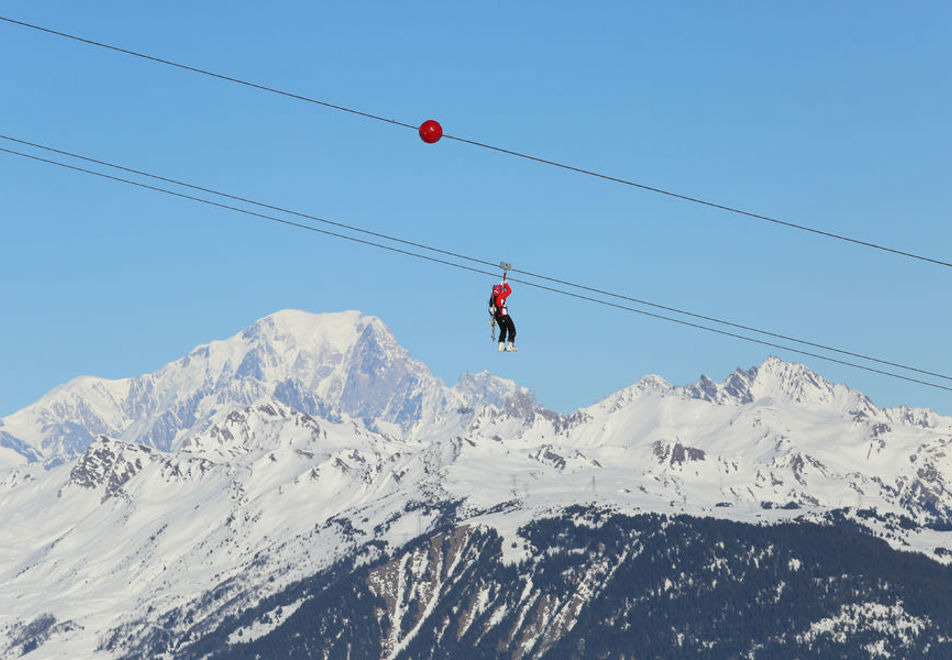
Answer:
(501, 314)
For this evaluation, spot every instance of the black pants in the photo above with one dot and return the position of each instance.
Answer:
(506, 325)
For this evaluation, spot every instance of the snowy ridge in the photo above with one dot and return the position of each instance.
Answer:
(772, 381)
(321, 364)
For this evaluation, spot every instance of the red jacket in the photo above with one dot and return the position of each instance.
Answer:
(501, 309)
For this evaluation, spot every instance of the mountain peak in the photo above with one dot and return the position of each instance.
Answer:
(292, 329)
(487, 388)
(298, 323)
(318, 364)
(791, 381)
(778, 380)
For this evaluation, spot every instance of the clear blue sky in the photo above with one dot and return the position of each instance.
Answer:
(833, 115)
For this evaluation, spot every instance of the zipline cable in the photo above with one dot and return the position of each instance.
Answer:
(739, 326)
(205, 72)
(510, 152)
(237, 198)
(469, 268)
(472, 259)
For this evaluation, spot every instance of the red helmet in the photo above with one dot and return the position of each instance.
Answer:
(497, 289)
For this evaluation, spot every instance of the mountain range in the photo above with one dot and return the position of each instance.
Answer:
(308, 489)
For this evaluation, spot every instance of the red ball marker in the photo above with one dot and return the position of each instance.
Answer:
(431, 131)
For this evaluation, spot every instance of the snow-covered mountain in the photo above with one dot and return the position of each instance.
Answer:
(143, 516)
(321, 364)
